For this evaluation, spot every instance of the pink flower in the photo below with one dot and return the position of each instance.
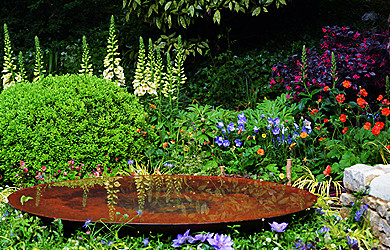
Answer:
(96, 174)
(288, 96)
(25, 170)
(43, 168)
(22, 163)
(356, 76)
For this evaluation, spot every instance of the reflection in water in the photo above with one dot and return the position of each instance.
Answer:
(163, 199)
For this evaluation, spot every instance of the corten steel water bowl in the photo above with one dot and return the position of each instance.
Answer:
(165, 203)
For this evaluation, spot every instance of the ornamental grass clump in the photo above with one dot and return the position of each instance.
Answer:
(73, 117)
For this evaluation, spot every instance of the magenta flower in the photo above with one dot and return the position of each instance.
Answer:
(279, 228)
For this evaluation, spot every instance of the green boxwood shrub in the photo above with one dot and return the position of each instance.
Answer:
(61, 118)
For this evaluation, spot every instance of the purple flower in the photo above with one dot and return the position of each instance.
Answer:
(201, 237)
(226, 143)
(275, 121)
(220, 125)
(219, 140)
(169, 165)
(279, 228)
(86, 223)
(262, 116)
(145, 241)
(241, 118)
(351, 240)
(222, 242)
(256, 129)
(181, 239)
(324, 230)
(230, 127)
(276, 131)
(110, 243)
(130, 162)
(238, 143)
(241, 127)
(139, 212)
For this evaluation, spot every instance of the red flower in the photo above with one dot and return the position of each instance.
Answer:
(367, 126)
(346, 84)
(153, 106)
(363, 92)
(326, 120)
(138, 130)
(376, 130)
(380, 125)
(361, 102)
(165, 144)
(386, 111)
(344, 131)
(340, 98)
(322, 138)
(388, 147)
(327, 170)
(343, 118)
(326, 88)
(385, 102)
(380, 97)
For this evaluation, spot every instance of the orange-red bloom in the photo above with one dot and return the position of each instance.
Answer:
(376, 130)
(165, 144)
(326, 88)
(260, 151)
(386, 111)
(340, 98)
(346, 84)
(343, 118)
(361, 102)
(326, 120)
(304, 135)
(321, 139)
(367, 126)
(327, 170)
(344, 131)
(380, 125)
(363, 92)
(138, 130)
(380, 97)
(153, 106)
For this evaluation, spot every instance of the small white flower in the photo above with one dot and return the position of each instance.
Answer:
(268, 239)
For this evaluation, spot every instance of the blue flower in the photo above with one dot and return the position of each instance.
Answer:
(226, 143)
(241, 118)
(262, 116)
(86, 223)
(145, 241)
(230, 127)
(275, 121)
(241, 127)
(130, 162)
(181, 239)
(351, 240)
(306, 127)
(169, 165)
(256, 129)
(279, 228)
(110, 243)
(238, 143)
(324, 230)
(220, 125)
(219, 140)
(221, 242)
(296, 126)
(223, 131)
(276, 131)
(139, 212)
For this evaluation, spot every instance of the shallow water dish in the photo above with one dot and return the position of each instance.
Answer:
(170, 201)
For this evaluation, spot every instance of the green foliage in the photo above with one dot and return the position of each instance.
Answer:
(167, 14)
(38, 69)
(86, 66)
(9, 67)
(58, 119)
(21, 70)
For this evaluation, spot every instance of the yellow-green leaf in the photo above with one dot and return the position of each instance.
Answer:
(217, 17)
(183, 22)
(256, 11)
(192, 10)
(167, 6)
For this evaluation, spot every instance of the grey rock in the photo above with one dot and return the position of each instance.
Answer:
(346, 199)
(380, 187)
(357, 177)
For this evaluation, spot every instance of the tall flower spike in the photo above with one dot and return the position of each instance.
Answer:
(86, 66)
(9, 67)
(38, 69)
(169, 80)
(22, 71)
(139, 83)
(113, 71)
(178, 69)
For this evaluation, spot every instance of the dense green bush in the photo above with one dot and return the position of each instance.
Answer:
(81, 118)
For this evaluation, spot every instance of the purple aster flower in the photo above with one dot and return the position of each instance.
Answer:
(86, 223)
(226, 143)
(219, 140)
(145, 241)
(181, 239)
(279, 228)
(222, 242)
(220, 125)
(238, 143)
(241, 118)
(256, 129)
(230, 127)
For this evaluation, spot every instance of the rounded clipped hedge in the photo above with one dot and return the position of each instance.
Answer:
(72, 117)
